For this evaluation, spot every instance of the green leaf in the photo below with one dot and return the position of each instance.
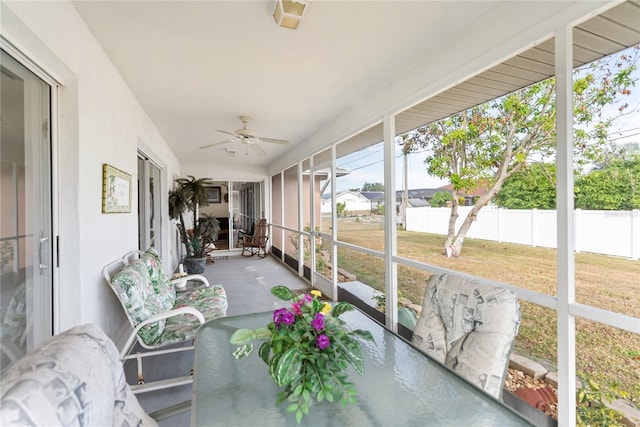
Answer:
(282, 292)
(363, 334)
(288, 367)
(298, 416)
(264, 351)
(292, 408)
(340, 308)
(242, 336)
(351, 350)
(262, 334)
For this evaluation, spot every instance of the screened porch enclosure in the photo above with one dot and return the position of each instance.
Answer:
(370, 250)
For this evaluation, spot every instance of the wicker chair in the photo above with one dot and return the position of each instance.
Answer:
(256, 244)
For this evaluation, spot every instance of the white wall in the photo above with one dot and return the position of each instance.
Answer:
(100, 121)
(603, 232)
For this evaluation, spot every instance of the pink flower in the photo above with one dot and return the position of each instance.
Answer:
(323, 341)
(296, 308)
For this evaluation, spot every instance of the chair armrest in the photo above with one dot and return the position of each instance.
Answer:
(198, 277)
(171, 313)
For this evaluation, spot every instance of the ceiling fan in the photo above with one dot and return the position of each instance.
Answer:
(247, 137)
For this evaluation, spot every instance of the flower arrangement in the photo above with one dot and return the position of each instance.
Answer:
(307, 348)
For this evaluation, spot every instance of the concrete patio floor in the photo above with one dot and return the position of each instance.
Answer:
(247, 282)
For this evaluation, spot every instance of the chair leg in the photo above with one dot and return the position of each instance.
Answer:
(140, 375)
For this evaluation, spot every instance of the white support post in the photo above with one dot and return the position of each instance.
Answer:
(635, 234)
(391, 250)
(312, 224)
(281, 219)
(334, 225)
(565, 231)
(300, 183)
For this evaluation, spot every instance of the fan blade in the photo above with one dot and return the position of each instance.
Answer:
(216, 143)
(274, 141)
(227, 132)
(257, 149)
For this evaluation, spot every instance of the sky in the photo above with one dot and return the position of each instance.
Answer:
(367, 164)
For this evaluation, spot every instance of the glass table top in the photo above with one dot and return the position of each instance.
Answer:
(401, 386)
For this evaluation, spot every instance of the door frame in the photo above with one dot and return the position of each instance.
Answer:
(54, 141)
(324, 284)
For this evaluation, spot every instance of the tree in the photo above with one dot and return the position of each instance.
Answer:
(341, 209)
(614, 187)
(532, 187)
(489, 143)
(440, 199)
(373, 186)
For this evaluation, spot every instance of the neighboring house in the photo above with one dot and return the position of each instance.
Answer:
(376, 199)
(417, 203)
(425, 194)
(356, 203)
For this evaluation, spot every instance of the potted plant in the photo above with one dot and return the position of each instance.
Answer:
(188, 196)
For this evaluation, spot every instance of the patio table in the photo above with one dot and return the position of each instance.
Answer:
(401, 386)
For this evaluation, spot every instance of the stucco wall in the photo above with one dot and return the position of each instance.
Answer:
(99, 121)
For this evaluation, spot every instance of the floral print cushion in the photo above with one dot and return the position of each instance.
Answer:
(163, 296)
(144, 290)
(211, 302)
(138, 295)
(469, 325)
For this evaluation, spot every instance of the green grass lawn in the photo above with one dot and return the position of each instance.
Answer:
(608, 354)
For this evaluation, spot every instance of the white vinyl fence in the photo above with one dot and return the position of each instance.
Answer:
(603, 232)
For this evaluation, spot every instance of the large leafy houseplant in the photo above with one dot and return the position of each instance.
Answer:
(307, 348)
(188, 196)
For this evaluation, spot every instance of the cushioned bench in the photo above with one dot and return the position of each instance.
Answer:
(160, 316)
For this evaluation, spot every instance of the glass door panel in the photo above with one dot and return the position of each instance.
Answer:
(149, 228)
(25, 217)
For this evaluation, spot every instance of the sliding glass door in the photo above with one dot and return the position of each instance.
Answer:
(25, 211)
(149, 220)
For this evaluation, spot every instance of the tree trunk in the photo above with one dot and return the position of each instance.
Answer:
(456, 246)
(451, 230)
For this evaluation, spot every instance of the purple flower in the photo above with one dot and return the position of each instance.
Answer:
(322, 341)
(288, 318)
(282, 315)
(318, 322)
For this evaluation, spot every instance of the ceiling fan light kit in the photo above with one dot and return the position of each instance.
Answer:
(247, 137)
(289, 13)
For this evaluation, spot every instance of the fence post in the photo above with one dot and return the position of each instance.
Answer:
(635, 234)
(577, 232)
(534, 213)
(498, 231)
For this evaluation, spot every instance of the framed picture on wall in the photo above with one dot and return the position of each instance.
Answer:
(213, 194)
(116, 190)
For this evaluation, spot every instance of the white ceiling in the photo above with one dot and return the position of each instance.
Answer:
(196, 66)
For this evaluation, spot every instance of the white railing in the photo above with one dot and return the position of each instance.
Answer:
(604, 232)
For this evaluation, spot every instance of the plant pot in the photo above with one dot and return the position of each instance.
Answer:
(195, 265)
